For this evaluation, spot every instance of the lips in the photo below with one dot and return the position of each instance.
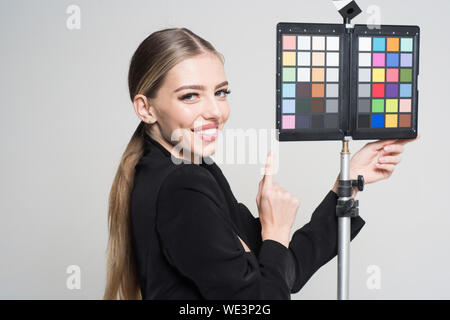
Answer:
(206, 126)
(207, 132)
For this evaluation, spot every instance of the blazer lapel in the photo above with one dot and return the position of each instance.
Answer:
(231, 201)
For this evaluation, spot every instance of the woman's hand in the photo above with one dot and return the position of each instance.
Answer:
(277, 207)
(376, 160)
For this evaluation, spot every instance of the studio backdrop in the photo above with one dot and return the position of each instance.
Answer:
(66, 118)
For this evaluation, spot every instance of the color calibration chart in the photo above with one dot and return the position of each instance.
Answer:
(310, 79)
(385, 79)
(332, 83)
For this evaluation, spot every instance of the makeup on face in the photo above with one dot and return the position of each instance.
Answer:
(207, 131)
(332, 83)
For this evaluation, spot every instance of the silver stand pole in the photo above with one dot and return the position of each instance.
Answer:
(346, 208)
(344, 231)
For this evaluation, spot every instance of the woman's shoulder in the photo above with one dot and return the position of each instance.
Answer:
(187, 173)
(189, 176)
(189, 186)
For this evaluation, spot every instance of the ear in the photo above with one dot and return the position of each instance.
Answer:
(144, 109)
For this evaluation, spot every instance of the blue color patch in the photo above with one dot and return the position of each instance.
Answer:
(406, 59)
(379, 44)
(288, 90)
(288, 106)
(392, 60)
(303, 122)
(377, 120)
(405, 90)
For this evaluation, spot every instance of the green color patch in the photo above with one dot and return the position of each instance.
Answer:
(304, 105)
(405, 75)
(288, 74)
(377, 105)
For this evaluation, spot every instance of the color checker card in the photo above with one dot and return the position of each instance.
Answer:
(333, 83)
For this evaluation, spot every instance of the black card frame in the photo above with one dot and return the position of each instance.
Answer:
(348, 81)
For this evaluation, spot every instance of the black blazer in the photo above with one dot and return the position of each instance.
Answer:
(185, 224)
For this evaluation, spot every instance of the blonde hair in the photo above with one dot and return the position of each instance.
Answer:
(154, 57)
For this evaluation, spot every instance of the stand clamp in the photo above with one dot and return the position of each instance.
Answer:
(348, 208)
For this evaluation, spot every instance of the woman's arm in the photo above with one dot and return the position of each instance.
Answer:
(315, 244)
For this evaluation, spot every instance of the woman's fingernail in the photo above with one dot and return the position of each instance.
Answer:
(378, 164)
(381, 159)
(387, 148)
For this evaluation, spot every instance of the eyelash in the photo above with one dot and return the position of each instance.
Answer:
(226, 91)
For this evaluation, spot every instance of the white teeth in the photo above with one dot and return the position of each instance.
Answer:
(208, 131)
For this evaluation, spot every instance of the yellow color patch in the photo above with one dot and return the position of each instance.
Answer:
(378, 74)
(391, 105)
(288, 58)
(391, 121)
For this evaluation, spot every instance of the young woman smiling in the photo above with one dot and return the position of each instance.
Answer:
(176, 231)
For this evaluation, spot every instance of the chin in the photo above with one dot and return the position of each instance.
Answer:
(206, 150)
(203, 146)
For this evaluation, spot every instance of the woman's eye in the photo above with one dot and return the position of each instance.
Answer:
(224, 91)
(189, 96)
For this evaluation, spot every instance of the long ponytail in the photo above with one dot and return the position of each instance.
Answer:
(154, 57)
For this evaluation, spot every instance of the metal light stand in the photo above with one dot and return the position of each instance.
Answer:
(346, 208)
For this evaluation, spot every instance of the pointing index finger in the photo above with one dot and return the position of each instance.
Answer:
(269, 169)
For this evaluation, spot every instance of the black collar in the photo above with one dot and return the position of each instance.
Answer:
(208, 164)
(149, 142)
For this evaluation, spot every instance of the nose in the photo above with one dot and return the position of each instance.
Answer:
(212, 109)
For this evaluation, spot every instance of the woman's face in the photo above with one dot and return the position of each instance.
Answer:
(191, 106)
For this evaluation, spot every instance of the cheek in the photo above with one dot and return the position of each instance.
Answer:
(225, 112)
(182, 116)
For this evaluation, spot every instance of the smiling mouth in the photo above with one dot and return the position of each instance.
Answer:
(207, 134)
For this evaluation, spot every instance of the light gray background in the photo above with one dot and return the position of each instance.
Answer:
(66, 119)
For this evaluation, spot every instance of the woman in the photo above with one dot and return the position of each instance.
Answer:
(176, 230)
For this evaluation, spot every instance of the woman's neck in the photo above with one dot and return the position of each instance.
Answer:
(189, 156)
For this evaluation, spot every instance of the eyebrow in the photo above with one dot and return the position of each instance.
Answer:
(200, 87)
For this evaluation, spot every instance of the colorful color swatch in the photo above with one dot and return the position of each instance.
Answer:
(385, 78)
(310, 69)
(334, 81)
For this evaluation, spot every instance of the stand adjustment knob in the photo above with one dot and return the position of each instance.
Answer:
(359, 183)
